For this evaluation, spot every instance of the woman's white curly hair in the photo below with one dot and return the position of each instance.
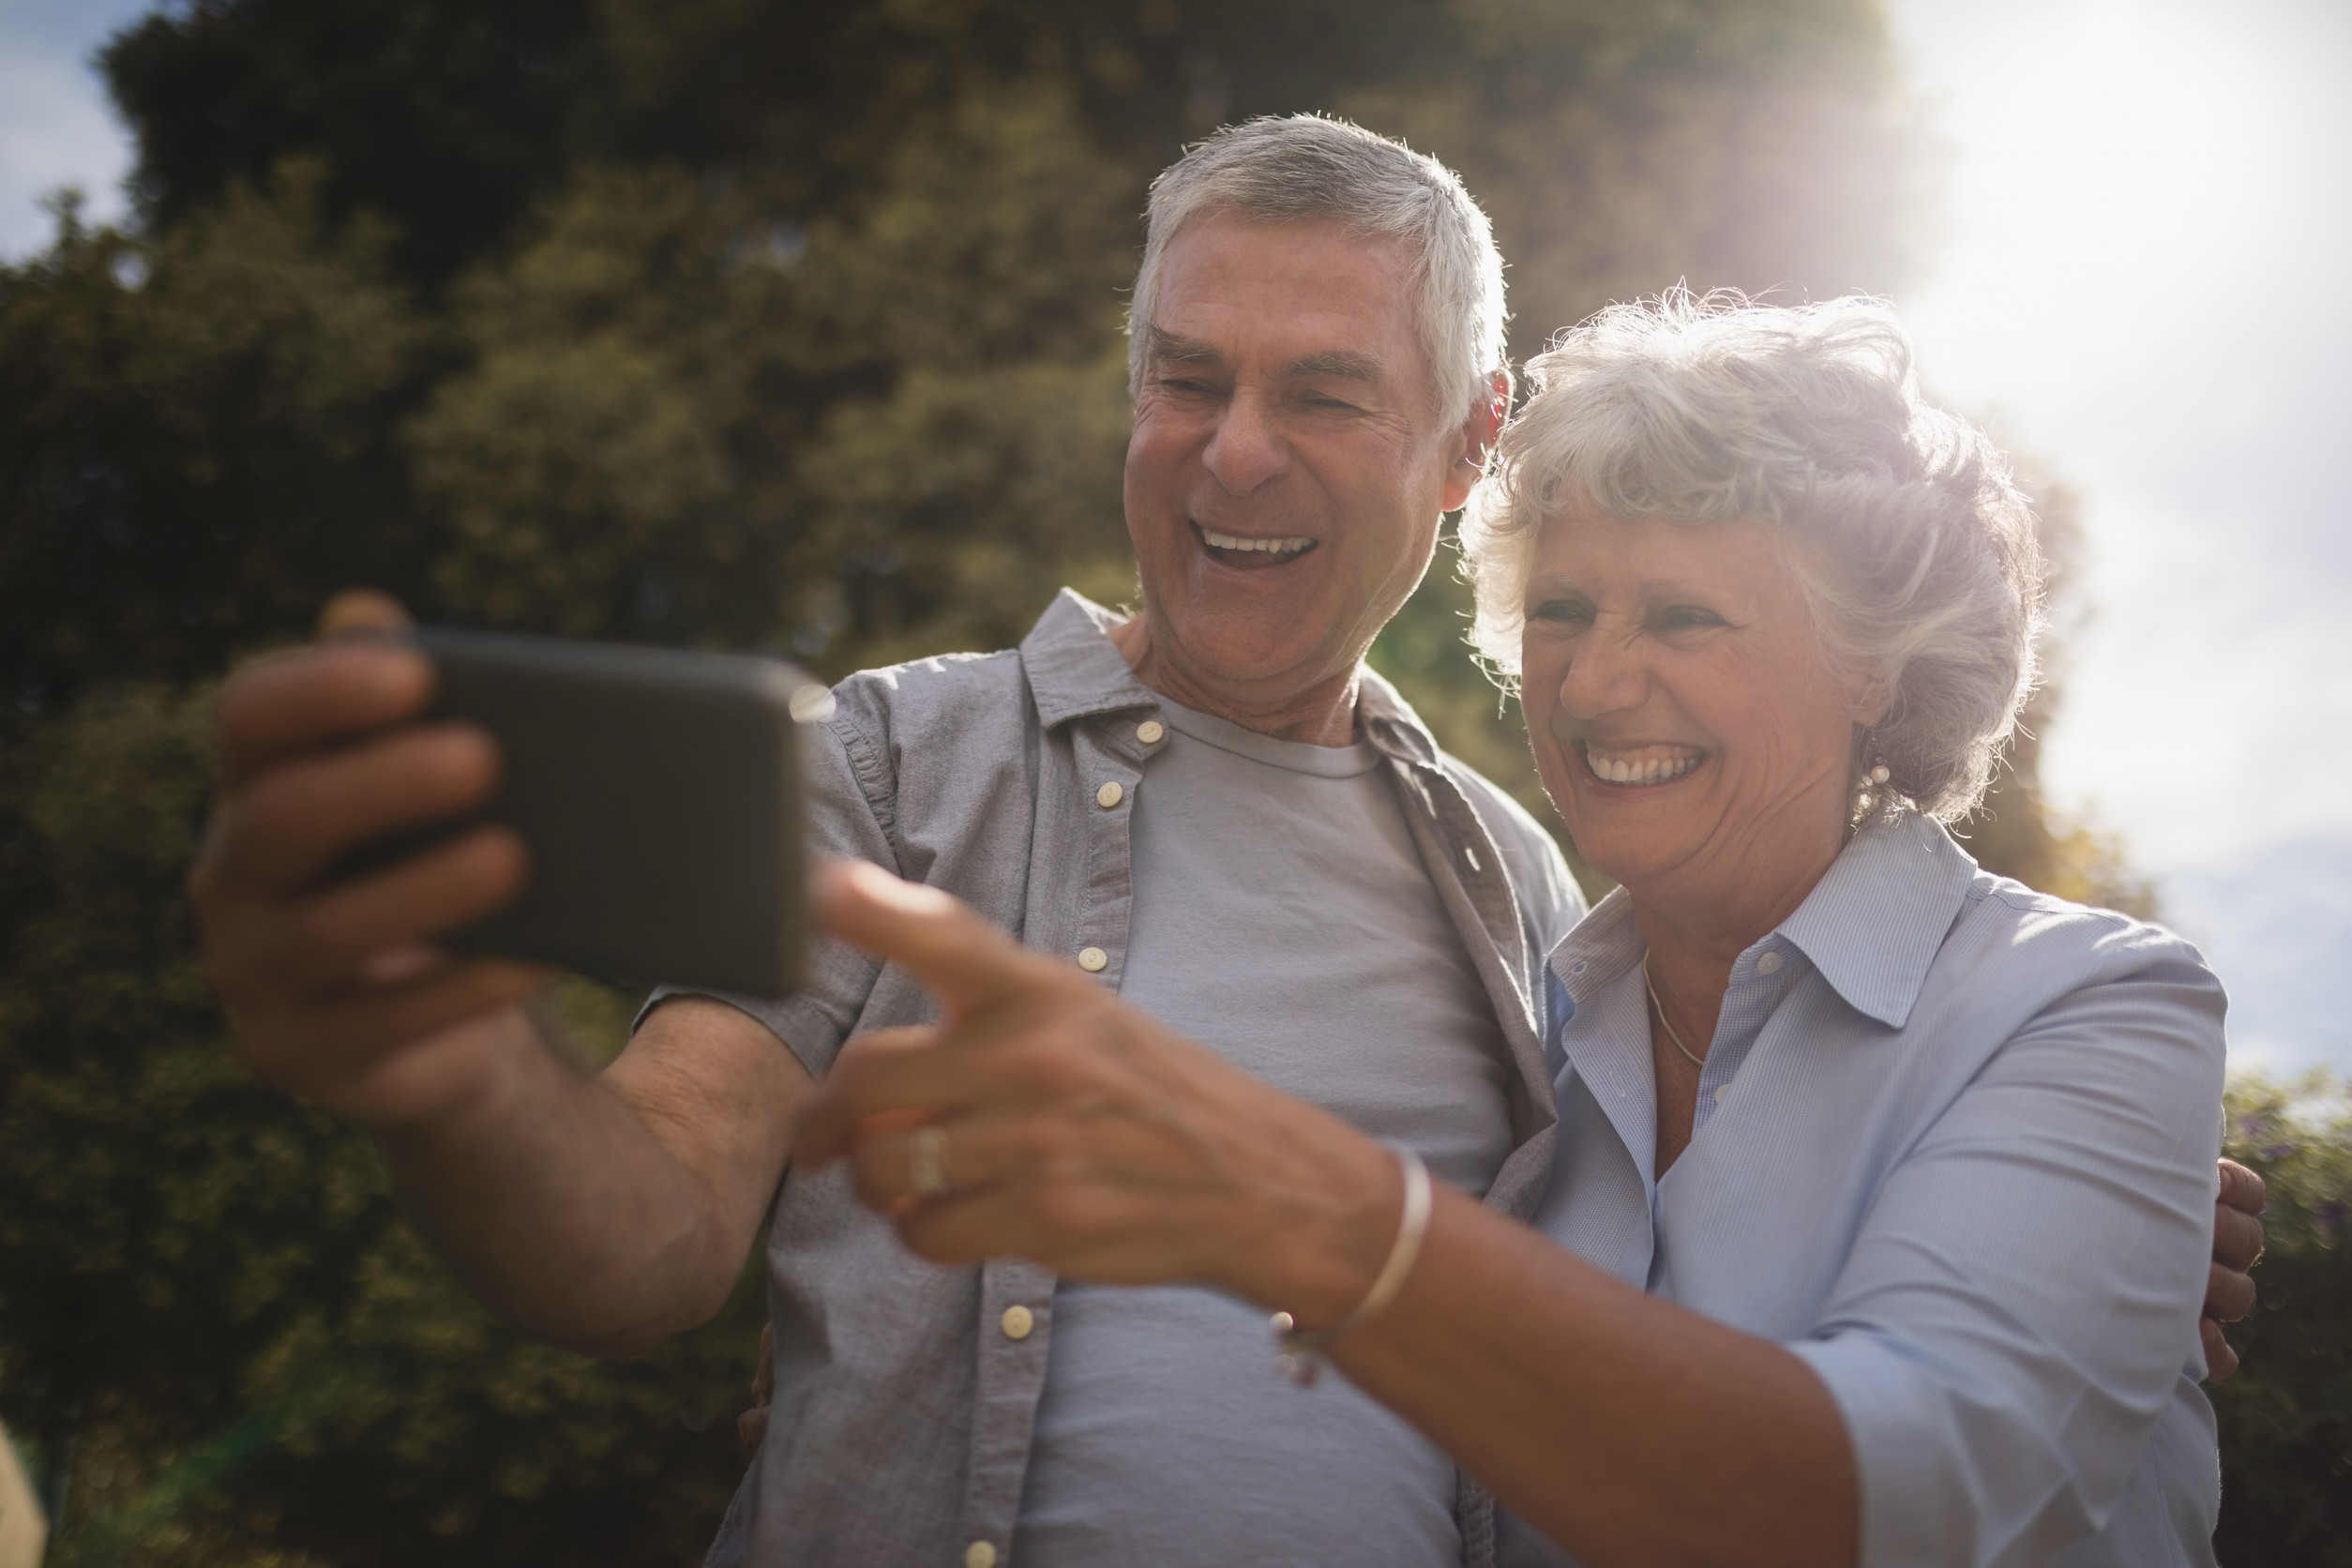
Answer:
(1913, 548)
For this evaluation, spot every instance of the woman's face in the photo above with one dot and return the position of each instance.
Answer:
(1684, 719)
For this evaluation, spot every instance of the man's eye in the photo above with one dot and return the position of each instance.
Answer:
(1185, 386)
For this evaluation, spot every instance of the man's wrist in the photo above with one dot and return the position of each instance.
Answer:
(470, 1076)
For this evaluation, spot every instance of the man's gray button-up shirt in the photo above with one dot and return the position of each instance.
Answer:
(904, 1399)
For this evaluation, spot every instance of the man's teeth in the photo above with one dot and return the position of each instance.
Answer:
(1653, 770)
(1232, 541)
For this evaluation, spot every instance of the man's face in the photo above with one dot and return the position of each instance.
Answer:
(1287, 473)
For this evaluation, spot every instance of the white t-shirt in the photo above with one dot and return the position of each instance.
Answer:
(1282, 916)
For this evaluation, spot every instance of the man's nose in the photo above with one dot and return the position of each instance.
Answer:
(1247, 451)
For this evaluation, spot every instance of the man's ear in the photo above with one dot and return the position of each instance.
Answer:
(1478, 434)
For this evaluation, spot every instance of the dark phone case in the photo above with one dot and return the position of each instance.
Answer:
(658, 794)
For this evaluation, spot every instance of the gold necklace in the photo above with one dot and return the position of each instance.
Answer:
(1698, 1061)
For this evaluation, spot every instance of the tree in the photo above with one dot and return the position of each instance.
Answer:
(2286, 1420)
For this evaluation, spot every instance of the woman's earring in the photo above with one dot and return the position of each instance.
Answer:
(1870, 790)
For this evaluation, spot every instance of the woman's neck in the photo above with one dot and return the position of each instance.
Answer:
(1696, 927)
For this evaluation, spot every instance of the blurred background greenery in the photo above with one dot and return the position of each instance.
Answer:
(742, 323)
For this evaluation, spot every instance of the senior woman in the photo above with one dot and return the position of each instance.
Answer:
(1879, 1217)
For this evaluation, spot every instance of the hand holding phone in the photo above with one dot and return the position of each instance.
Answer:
(657, 794)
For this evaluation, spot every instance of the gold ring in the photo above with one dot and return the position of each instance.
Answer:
(927, 1161)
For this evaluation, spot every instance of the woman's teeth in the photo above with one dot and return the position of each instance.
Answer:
(1624, 770)
(1234, 541)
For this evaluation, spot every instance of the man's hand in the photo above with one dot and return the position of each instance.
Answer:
(333, 991)
(2230, 1293)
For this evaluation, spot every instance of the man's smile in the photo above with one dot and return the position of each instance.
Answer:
(1246, 554)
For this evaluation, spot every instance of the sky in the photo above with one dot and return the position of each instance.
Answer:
(2141, 210)
(2144, 209)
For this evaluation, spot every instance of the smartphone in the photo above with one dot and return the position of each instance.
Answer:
(657, 791)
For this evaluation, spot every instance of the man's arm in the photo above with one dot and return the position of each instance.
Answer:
(603, 1211)
(608, 1212)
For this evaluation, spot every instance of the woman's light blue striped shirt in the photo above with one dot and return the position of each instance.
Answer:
(1954, 1147)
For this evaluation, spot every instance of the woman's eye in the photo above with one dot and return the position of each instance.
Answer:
(1688, 617)
(1560, 612)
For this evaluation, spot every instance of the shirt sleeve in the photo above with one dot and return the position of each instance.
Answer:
(848, 794)
(2024, 1295)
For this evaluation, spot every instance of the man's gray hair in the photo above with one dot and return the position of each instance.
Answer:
(1914, 550)
(1281, 170)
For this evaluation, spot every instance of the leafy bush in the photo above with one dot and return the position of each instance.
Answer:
(2287, 1418)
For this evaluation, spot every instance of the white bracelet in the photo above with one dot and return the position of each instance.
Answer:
(1299, 1353)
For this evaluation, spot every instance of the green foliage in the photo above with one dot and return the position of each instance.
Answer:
(183, 462)
(2287, 1418)
(202, 1281)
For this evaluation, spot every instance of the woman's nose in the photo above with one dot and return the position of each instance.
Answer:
(1605, 674)
(1247, 451)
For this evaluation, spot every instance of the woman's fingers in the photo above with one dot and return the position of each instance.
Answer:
(966, 962)
(891, 1074)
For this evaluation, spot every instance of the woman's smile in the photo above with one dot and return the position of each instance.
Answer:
(1639, 766)
(1682, 715)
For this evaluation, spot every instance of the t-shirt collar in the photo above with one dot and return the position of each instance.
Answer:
(1075, 671)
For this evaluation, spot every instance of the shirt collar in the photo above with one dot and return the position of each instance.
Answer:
(1073, 669)
(1873, 924)
(1075, 672)
(1601, 946)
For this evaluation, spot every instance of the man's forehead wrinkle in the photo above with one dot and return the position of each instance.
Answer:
(1346, 364)
(1178, 348)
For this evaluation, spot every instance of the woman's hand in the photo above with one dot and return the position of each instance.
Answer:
(1074, 1130)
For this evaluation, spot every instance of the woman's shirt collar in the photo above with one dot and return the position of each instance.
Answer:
(1872, 924)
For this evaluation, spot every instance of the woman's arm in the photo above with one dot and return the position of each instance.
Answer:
(1082, 1134)
(1626, 1428)
(2010, 1322)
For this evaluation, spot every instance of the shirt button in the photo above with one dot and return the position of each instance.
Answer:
(1094, 959)
(1768, 964)
(1150, 731)
(1017, 1321)
(1110, 796)
(1721, 1090)
(980, 1554)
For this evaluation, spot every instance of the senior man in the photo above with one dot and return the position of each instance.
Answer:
(1212, 807)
